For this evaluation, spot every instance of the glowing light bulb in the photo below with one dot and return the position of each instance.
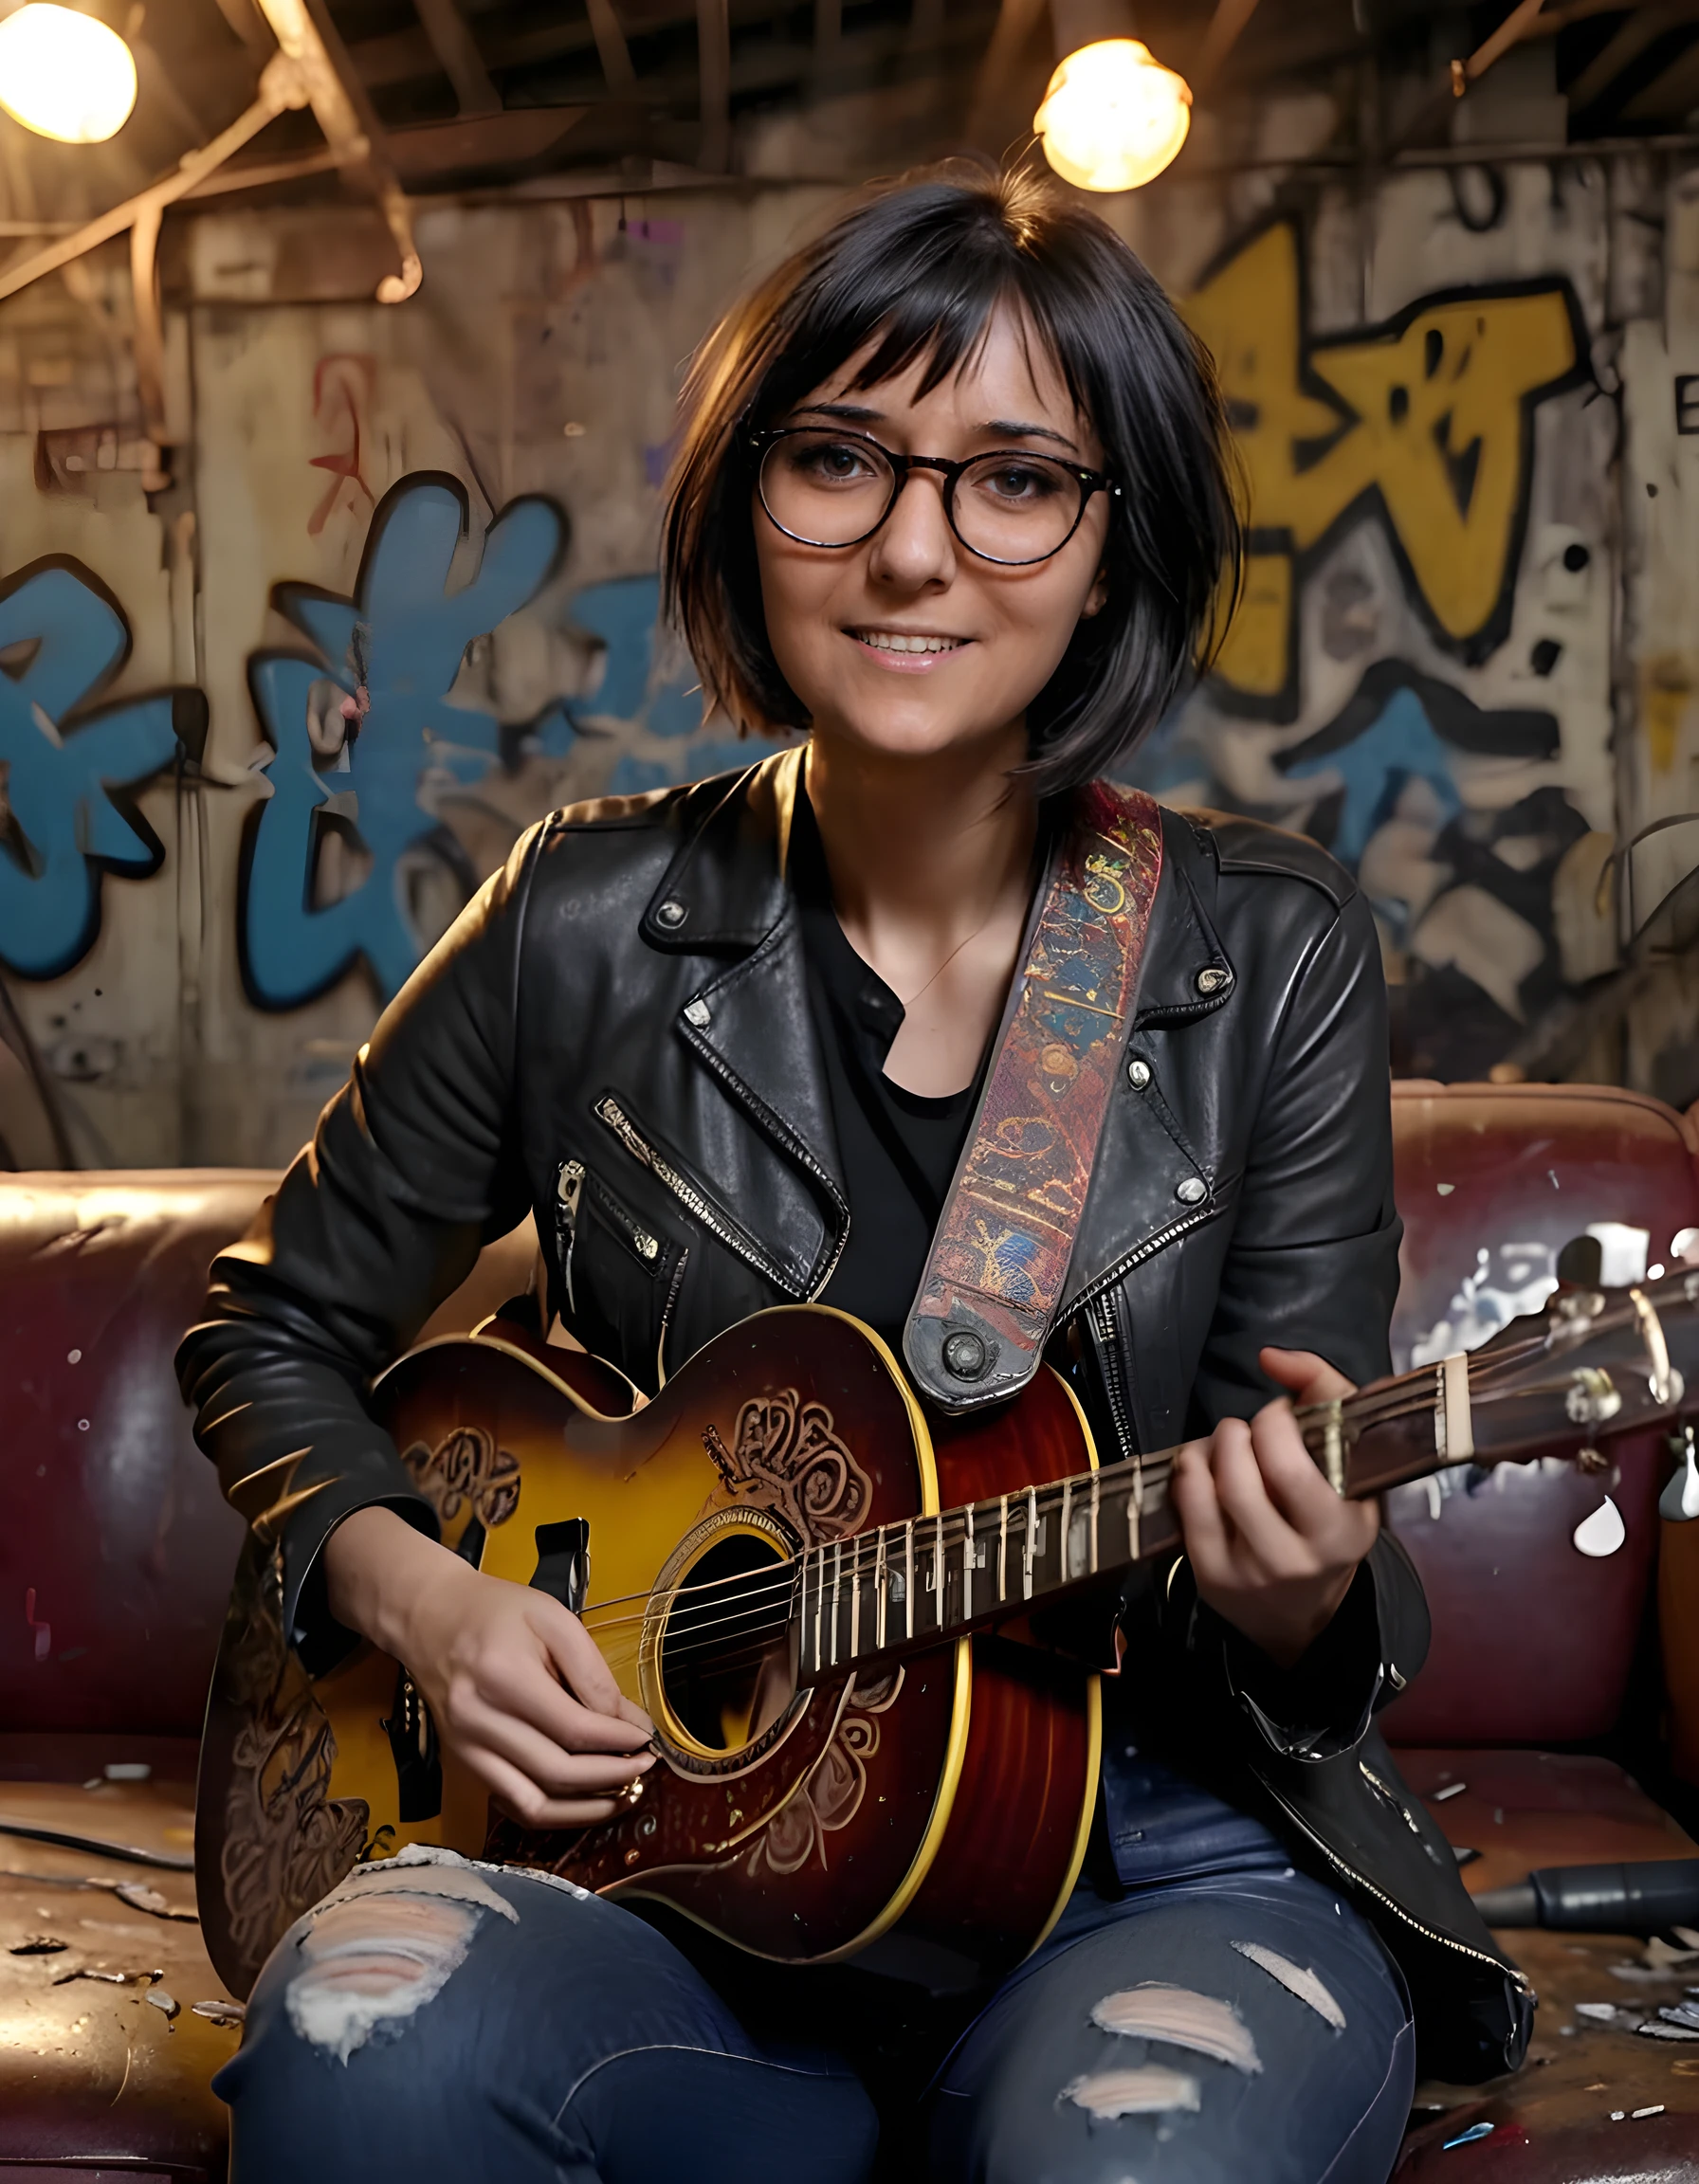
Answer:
(1113, 117)
(65, 75)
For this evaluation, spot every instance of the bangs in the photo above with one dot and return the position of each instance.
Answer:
(915, 274)
(931, 301)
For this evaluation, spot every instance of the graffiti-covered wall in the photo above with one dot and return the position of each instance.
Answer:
(1467, 401)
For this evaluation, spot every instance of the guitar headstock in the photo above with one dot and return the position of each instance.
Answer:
(1596, 1362)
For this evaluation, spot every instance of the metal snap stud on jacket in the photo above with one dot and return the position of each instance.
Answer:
(1191, 1192)
(699, 1013)
(1138, 1074)
(1210, 981)
(671, 912)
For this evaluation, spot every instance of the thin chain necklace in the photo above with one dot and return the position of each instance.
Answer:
(909, 1000)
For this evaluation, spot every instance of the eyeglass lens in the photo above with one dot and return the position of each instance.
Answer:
(829, 489)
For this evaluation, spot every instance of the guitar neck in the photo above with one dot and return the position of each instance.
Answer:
(932, 1578)
(936, 1577)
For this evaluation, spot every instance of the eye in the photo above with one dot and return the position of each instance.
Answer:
(1015, 480)
(828, 462)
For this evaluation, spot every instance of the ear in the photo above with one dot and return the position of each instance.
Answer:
(1097, 597)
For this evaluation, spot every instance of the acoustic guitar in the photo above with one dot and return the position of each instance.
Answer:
(819, 1595)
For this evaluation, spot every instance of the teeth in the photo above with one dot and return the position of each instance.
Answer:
(887, 641)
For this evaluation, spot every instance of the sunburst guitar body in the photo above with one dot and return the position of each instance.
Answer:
(761, 1554)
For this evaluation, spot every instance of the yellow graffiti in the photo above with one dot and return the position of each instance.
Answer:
(1428, 414)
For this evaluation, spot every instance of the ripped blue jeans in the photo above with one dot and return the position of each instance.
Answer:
(449, 2021)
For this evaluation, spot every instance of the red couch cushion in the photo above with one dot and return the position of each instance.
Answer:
(1533, 1641)
(116, 1565)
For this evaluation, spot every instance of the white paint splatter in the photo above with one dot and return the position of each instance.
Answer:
(1602, 1533)
(1296, 1980)
(1149, 2090)
(1180, 2018)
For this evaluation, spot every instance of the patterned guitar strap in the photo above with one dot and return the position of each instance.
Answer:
(994, 1278)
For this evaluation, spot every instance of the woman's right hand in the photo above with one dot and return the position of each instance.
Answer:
(514, 1681)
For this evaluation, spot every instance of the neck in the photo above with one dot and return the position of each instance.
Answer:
(921, 851)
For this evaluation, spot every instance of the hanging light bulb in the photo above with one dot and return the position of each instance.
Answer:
(65, 75)
(1113, 117)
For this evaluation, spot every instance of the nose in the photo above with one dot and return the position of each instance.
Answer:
(915, 546)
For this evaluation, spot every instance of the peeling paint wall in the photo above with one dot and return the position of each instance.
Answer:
(1467, 401)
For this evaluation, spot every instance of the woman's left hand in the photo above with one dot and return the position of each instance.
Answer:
(1272, 1547)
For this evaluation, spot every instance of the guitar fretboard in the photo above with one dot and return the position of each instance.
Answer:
(941, 1576)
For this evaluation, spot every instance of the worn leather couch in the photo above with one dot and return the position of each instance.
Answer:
(1553, 1673)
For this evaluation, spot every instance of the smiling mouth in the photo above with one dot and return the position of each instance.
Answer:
(900, 641)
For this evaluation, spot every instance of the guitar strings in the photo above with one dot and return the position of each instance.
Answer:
(689, 1624)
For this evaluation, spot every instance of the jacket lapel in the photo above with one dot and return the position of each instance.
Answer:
(751, 1024)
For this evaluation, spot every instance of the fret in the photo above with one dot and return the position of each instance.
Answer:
(854, 1598)
(819, 1599)
(1095, 1484)
(837, 1581)
(967, 1569)
(879, 1592)
(1003, 1550)
(1065, 1545)
(908, 1588)
(1028, 1547)
(937, 1567)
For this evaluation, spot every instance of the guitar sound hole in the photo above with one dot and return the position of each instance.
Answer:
(726, 1651)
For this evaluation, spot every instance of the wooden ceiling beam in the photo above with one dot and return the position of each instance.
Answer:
(714, 70)
(1673, 91)
(612, 49)
(451, 41)
(1226, 25)
(1644, 28)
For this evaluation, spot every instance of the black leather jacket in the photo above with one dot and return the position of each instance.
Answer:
(629, 992)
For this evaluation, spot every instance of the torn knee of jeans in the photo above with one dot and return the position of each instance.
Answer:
(1177, 2018)
(381, 1946)
(1147, 2089)
(1296, 1979)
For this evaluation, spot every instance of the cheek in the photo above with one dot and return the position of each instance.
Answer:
(797, 590)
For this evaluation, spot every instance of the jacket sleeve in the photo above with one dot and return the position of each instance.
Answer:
(1313, 1263)
(410, 1171)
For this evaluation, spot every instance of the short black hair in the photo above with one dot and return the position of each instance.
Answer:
(921, 264)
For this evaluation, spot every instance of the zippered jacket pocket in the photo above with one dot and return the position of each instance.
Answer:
(581, 1195)
(651, 1252)
(613, 1115)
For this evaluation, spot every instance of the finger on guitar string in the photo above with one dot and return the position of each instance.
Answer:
(516, 1795)
(551, 1770)
(534, 1673)
(581, 1666)
(1203, 1525)
(1297, 1490)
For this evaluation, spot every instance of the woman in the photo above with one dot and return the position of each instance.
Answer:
(953, 501)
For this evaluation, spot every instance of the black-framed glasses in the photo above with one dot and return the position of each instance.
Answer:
(835, 488)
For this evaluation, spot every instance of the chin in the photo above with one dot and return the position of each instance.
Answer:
(909, 732)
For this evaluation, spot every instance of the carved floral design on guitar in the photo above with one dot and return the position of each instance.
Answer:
(788, 1454)
(831, 1796)
(466, 1466)
(286, 1841)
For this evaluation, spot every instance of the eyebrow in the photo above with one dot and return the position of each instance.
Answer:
(999, 427)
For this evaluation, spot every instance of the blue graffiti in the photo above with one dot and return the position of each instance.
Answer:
(403, 635)
(1399, 745)
(63, 776)
(648, 698)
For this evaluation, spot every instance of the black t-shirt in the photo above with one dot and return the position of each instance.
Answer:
(899, 1149)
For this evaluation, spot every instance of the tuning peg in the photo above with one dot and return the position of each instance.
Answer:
(1679, 1501)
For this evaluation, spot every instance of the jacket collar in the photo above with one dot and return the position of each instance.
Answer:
(725, 886)
(726, 892)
